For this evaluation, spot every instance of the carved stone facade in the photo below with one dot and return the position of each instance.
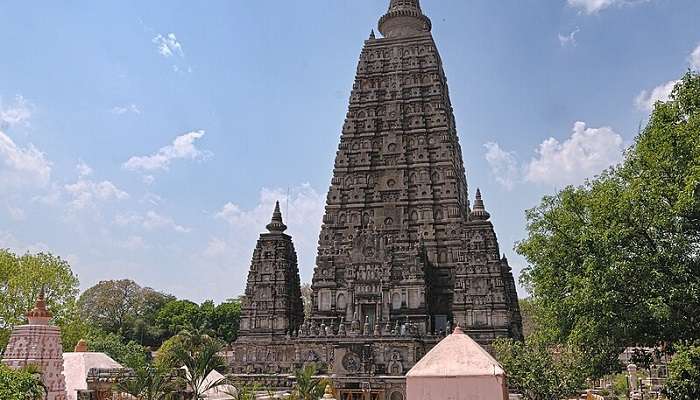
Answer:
(402, 256)
(272, 305)
(38, 343)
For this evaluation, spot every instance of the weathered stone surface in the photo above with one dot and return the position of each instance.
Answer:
(402, 256)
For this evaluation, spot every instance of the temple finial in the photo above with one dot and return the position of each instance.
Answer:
(404, 18)
(372, 35)
(479, 212)
(276, 225)
(39, 315)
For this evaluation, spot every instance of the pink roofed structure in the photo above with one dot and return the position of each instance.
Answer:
(457, 369)
(39, 343)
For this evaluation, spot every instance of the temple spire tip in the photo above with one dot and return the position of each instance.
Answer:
(404, 18)
(276, 224)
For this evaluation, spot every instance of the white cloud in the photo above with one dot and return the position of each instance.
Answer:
(216, 247)
(16, 213)
(586, 153)
(132, 243)
(570, 39)
(302, 211)
(647, 98)
(594, 6)
(503, 164)
(130, 108)
(152, 199)
(9, 241)
(168, 45)
(83, 169)
(150, 221)
(154, 220)
(86, 193)
(183, 147)
(695, 59)
(17, 113)
(22, 165)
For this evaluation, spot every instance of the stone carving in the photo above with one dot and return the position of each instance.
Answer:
(352, 362)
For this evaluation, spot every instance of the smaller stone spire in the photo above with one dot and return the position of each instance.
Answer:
(276, 225)
(479, 212)
(372, 35)
(39, 315)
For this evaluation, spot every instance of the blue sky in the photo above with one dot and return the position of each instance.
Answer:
(149, 140)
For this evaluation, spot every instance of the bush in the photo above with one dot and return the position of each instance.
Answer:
(684, 374)
(23, 384)
(538, 371)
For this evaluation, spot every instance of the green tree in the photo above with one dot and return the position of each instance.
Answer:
(129, 354)
(199, 355)
(225, 320)
(615, 262)
(178, 315)
(22, 384)
(125, 308)
(21, 280)
(684, 374)
(148, 383)
(73, 326)
(306, 386)
(539, 371)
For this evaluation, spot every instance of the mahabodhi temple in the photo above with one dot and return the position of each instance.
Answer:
(403, 256)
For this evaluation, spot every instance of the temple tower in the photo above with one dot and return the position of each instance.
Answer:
(399, 241)
(272, 304)
(38, 343)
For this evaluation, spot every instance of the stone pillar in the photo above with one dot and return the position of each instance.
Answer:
(634, 383)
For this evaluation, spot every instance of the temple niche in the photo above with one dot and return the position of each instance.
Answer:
(402, 255)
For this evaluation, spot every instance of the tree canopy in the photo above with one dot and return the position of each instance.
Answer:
(616, 262)
(125, 308)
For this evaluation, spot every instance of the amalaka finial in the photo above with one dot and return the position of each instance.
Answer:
(276, 225)
(404, 18)
(39, 315)
(479, 212)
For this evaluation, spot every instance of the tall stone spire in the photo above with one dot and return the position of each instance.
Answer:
(276, 225)
(404, 18)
